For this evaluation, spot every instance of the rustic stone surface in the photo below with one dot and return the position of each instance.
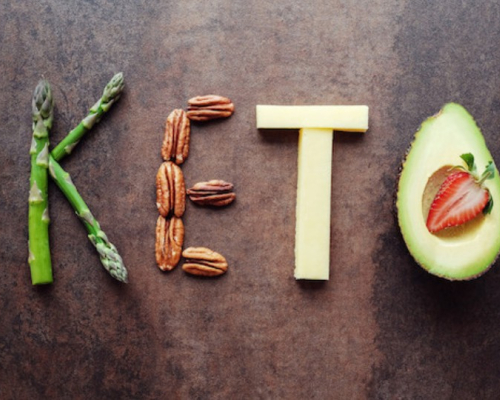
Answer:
(380, 328)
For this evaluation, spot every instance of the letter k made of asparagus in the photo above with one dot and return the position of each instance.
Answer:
(43, 161)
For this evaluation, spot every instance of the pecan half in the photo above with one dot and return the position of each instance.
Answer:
(176, 139)
(203, 262)
(170, 190)
(212, 106)
(212, 193)
(169, 241)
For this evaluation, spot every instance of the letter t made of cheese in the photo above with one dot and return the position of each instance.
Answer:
(316, 125)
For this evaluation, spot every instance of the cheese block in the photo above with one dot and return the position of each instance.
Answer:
(312, 233)
(316, 124)
(340, 118)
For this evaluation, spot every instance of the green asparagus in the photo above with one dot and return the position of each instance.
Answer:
(38, 215)
(108, 253)
(110, 95)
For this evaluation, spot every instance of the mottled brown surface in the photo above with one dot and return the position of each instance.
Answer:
(381, 328)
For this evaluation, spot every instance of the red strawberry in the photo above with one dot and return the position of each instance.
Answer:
(459, 200)
(461, 197)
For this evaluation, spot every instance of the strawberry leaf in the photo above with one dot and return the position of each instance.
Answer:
(487, 208)
(469, 160)
(489, 172)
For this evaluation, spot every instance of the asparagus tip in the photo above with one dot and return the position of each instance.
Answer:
(42, 103)
(114, 87)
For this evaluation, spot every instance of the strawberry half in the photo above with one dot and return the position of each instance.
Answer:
(461, 197)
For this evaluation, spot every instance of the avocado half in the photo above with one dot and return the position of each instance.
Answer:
(462, 252)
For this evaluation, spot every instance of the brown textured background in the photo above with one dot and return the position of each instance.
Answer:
(381, 328)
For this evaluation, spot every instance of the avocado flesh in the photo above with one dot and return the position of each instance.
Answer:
(472, 248)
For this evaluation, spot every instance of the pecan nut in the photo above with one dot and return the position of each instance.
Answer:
(169, 241)
(177, 136)
(212, 106)
(202, 261)
(170, 190)
(212, 193)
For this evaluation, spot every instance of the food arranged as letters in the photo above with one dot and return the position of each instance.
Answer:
(42, 160)
(316, 125)
(446, 209)
(171, 190)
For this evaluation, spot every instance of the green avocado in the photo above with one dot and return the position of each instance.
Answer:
(462, 252)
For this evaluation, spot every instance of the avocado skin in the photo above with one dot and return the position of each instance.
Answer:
(420, 242)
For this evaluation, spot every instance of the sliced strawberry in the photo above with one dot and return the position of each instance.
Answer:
(459, 199)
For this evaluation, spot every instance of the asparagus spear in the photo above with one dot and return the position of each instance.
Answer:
(110, 95)
(108, 253)
(38, 216)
